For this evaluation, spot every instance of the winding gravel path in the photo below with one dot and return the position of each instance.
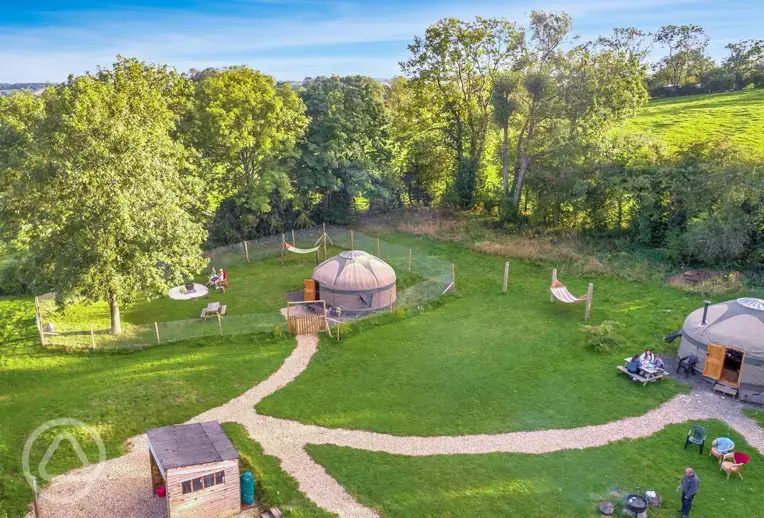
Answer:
(123, 488)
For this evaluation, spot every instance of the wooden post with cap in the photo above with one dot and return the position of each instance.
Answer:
(554, 279)
(506, 276)
(589, 294)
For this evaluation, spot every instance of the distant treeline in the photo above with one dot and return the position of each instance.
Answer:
(112, 181)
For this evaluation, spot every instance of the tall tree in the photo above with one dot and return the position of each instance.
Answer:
(458, 61)
(504, 92)
(686, 44)
(247, 128)
(419, 157)
(745, 58)
(541, 55)
(346, 150)
(102, 203)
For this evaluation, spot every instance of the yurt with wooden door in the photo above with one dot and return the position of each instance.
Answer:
(355, 281)
(728, 339)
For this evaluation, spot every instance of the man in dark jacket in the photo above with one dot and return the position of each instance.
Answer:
(689, 487)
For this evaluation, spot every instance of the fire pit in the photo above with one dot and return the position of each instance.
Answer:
(635, 504)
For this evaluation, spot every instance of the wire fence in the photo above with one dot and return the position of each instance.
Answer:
(262, 273)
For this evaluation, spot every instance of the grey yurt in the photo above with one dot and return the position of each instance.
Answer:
(355, 281)
(728, 339)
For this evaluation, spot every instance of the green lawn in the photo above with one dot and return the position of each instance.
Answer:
(484, 362)
(256, 294)
(273, 487)
(682, 121)
(566, 483)
(120, 394)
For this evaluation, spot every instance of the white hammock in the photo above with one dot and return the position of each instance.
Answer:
(561, 293)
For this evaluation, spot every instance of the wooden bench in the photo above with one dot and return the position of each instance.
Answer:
(637, 377)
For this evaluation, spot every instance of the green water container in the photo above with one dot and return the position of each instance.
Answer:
(247, 482)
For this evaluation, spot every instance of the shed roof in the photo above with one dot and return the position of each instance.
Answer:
(190, 444)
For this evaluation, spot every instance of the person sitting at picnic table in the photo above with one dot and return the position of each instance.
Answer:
(634, 364)
(658, 363)
(647, 356)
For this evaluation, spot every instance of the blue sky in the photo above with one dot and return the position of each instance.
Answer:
(45, 40)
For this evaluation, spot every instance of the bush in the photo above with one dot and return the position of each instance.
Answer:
(604, 337)
(712, 241)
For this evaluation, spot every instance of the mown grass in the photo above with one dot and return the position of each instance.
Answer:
(257, 292)
(118, 394)
(485, 362)
(273, 486)
(565, 483)
(682, 121)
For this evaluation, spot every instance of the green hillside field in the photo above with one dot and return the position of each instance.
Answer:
(681, 121)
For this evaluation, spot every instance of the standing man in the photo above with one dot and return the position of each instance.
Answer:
(689, 488)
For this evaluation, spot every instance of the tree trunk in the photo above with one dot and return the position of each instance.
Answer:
(505, 160)
(116, 325)
(519, 179)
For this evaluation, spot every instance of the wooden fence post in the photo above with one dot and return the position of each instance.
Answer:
(34, 491)
(506, 276)
(352, 241)
(378, 255)
(246, 251)
(453, 276)
(294, 243)
(92, 337)
(283, 248)
(220, 325)
(589, 293)
(409, 259)
(156, 330)
(554, 278)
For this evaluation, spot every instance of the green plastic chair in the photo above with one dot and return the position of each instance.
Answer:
(696, 435)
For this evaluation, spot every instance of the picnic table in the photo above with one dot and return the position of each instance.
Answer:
(648, 372)
(213, 309)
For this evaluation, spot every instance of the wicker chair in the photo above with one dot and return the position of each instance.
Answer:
(734, 462)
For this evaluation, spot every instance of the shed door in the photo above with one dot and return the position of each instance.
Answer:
(714, 361)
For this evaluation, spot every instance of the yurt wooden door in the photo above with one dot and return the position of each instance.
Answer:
(714, 361)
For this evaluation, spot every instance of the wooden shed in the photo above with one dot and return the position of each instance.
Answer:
(199, 467)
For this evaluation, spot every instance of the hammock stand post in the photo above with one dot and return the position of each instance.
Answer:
(506, 276)
(323, 236)
(554, 279)
(589, 293)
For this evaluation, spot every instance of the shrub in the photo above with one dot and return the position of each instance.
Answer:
(604, 337)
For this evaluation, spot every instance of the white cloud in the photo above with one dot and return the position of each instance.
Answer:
(76, 43)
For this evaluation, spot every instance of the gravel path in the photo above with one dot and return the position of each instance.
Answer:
(124, 487)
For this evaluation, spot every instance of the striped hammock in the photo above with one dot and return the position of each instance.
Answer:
(561, 293)
(301, 250)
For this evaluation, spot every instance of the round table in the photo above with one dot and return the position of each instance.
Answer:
(200, 290)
